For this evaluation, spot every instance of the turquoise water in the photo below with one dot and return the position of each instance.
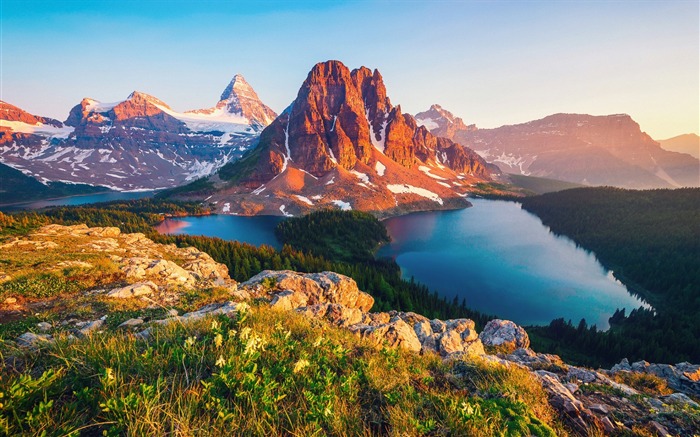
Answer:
(497, 257)
(78, 200)
(253, 230)
(503, 261)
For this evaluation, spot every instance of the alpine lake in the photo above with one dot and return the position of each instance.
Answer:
(497, 257)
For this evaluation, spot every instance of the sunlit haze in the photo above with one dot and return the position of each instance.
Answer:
(491, 63)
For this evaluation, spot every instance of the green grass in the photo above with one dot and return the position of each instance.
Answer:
(266, 373)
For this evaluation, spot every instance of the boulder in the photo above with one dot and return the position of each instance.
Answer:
(504, 333)
(288, 300)
(336, 314)
(133, 290)
(319, 288)
(31, 340)
(396, 333)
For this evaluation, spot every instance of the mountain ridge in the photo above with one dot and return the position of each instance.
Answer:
(579, 148)
(134, 144)
(340, 133)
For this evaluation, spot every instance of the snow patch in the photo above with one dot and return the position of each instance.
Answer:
(426, 170)
(332, 181)
(429, 123)
(377, 143)
(226, 208)
(285, 213)
(344, 206)
(44, 130)
(380, 168)
(304, 199)
(410, 189)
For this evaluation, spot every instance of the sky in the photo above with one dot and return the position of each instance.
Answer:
(490, 62)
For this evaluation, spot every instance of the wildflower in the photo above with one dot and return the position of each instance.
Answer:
(301, 365)
(221, 362)
(109, 373)
(218, 340)
(190, 342)
(318, 341)
(214, 324)
(245, 332)
(254, 344)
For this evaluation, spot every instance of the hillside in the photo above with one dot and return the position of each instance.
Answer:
(580, 148)
(118, 334)
(688, 143)
(15, 186)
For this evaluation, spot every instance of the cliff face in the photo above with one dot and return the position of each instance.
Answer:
(342, 143)
(129, 270)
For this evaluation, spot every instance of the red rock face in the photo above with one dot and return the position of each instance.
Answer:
(340, 116)
(12, 113)
(342, 144)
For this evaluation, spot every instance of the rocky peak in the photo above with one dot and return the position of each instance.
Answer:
(337, 119)
(442, 123)
(10, 112)
(239, 98)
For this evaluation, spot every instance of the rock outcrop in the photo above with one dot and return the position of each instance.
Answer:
(505, 334)
(336, 299)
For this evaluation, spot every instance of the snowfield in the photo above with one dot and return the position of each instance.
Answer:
(410, 189)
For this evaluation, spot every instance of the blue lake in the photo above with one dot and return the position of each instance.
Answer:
(496, 256)
(503, 261)
(253, 230)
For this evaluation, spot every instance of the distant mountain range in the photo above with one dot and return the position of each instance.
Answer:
(342, 144)
(138, 143)
(584, 149)
(688, 143)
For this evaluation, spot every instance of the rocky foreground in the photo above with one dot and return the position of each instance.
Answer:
(143, 274)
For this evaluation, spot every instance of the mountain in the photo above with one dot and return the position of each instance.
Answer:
(688, 143)
(137, 143)
(16, 187)
(584, 149)
(341, 143)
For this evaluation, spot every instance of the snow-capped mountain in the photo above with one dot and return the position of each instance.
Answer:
(580, 148)
(342, 144)
(137, 143)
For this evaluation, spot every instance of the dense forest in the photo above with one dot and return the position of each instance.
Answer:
(344, 235)
(651, 241)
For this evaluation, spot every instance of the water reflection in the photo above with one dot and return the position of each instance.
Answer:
(503, 261)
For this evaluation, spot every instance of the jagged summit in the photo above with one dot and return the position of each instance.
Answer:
(342, 143)
(136, 143)
(442, 123)
(240, 99)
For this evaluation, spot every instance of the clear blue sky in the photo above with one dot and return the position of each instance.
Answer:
(489, 62)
